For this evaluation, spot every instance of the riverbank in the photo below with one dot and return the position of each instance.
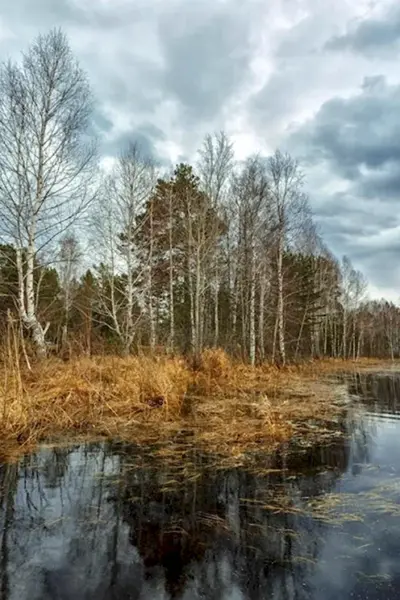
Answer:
(224, 406)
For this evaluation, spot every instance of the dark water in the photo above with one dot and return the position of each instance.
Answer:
(114, 522)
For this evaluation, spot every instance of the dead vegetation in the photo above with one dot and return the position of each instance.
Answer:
(224, 406)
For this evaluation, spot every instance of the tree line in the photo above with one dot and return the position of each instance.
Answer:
(218, 253)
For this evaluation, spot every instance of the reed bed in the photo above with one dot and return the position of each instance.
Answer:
(225, 406)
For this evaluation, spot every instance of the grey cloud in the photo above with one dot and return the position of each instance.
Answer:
(49, 13)
(350, 214)
(348, 227)
(301, 76)
(360, 131)
(355, 226)
(357, 141)
(145, 136)
(380, 266)
(349, 233)
(208, 57)
(274, 99)
(370, 35)
(100, 123)
(45, 12)
(383, 183)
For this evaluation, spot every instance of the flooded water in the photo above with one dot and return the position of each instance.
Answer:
(107, 521)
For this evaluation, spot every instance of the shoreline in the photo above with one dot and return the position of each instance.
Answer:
(224, 407)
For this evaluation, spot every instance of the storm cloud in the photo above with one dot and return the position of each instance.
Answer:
(370, 35)
(357, 139)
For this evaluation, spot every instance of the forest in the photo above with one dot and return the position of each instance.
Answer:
(216, 253)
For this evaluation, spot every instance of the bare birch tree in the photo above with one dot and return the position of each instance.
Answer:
(347, 299)
(288, 205)
(215, 167)
(358, 290)
(196, 213)
(251, 193)
(390, 326)
(69, 258)
(116, 226)
(171, 271)
(46, 165)
(149, 290)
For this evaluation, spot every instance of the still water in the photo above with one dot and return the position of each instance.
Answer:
(107, 521)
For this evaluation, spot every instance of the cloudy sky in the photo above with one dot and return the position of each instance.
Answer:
(319, 78)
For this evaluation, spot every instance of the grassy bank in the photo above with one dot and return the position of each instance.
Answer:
(225, 406)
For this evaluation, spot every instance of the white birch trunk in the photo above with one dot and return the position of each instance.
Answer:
(129, 333)
(360, 340)
(216, 303)
(171, 283)
(191, 296)
(354, 337)
(274, 339)
(150, 286)
(280, 307)
(261, 322)
(197, 295)
(29, 317)
(344, 334)
(252, 312)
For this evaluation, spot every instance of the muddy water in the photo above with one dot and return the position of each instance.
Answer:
(107, 521)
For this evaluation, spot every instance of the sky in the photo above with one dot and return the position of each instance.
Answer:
(317, 78)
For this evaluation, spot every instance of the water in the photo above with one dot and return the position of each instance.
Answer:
(107, 521)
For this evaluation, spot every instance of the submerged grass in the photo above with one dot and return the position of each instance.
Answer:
(337, 509)
(224, 406)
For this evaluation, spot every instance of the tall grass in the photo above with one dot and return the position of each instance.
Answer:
(225, 405)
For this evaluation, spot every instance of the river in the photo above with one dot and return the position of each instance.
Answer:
(114, 521)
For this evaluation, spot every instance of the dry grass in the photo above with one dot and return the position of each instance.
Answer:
(226, 406)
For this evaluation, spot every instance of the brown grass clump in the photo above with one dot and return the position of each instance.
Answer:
(216, 363)
(225, 406)
(100, 394)
(215, 370)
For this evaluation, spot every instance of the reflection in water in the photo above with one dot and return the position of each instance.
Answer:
(108, 521)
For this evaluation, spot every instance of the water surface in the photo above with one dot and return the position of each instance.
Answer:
(111, 521)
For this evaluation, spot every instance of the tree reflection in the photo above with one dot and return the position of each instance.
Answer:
(8, 480)
(379, 392)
